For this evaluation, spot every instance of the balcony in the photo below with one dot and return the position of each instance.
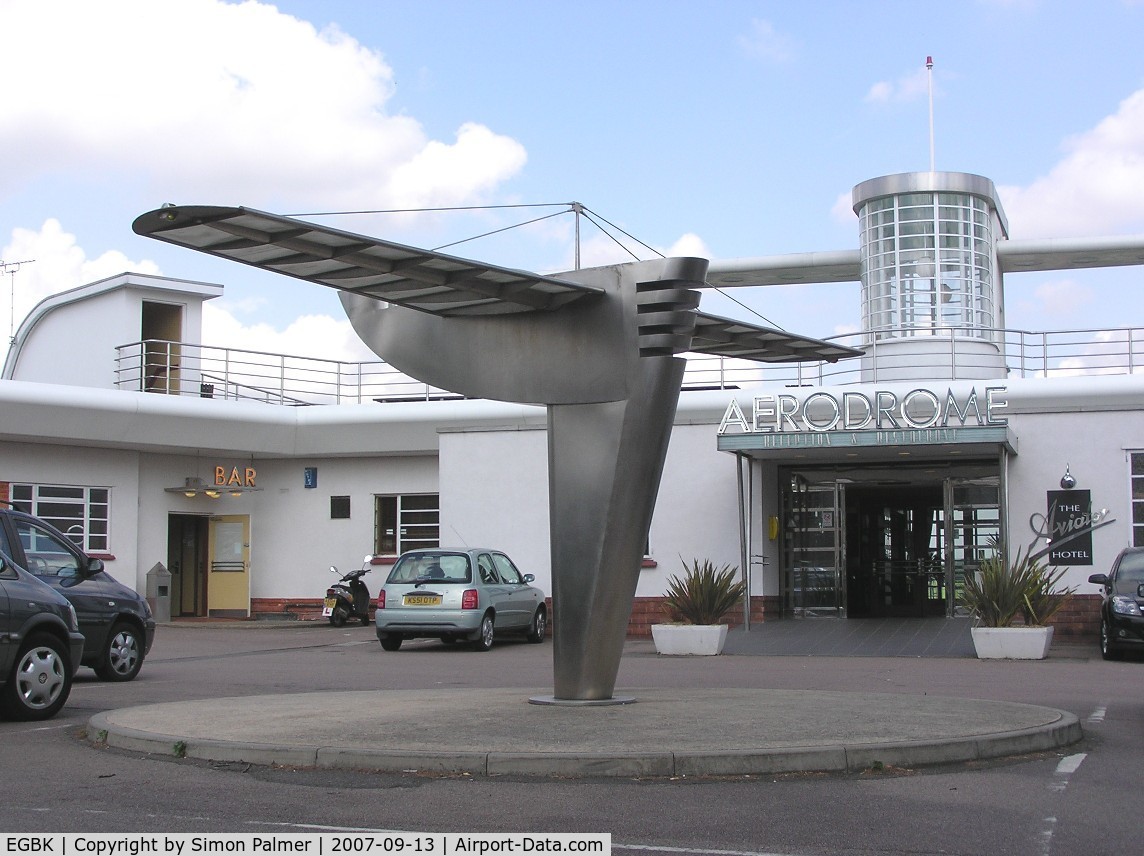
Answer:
(177, 368)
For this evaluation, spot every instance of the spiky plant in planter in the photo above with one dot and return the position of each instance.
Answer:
(997, 593)
(704, 594)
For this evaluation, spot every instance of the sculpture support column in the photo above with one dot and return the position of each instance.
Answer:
(605, 462)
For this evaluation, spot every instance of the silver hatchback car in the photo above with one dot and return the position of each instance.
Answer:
(455, 595)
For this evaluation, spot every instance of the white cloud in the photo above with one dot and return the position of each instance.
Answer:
(55, 262)
(908, 87)
(203, 99)
(320, 336)
(1063, 297)
(763, 41)
(1096, 189)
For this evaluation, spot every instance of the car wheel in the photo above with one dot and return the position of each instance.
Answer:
(539, 626)
(484, 639)
(40, 681)
(338, 617)
(123, 656)
(390, 643)
(1108, 649)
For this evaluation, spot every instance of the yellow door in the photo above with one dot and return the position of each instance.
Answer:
(228, 579)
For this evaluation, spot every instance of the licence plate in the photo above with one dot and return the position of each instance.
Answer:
(331, 602)
(422, 600)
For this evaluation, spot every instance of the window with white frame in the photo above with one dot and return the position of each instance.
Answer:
(1136, 461)
(406, 522)
(81, 513)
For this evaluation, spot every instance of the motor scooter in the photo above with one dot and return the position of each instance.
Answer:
(348, 597)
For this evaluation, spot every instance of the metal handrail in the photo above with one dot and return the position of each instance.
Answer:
(179, 368)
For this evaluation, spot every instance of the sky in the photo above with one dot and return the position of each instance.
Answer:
(724, 129)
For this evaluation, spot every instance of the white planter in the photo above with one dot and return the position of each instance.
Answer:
(1012, 643)
(701, 639)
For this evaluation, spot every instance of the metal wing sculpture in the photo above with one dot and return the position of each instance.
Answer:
(598, 347)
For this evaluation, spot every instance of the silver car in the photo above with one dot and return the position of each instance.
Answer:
(455, 595)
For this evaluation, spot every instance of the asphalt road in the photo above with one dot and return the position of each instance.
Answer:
(1084, 800)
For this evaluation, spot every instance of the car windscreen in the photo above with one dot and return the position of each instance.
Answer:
(431, 567)
(1131, 568)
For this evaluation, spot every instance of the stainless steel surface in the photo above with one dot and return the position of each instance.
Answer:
(602, 355)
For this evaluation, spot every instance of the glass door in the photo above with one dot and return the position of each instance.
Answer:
(813, 583)
(972, 531)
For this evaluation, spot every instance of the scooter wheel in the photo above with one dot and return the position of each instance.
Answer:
(338, 618)
(365, 622)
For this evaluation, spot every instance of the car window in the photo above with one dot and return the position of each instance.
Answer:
(1131, 568)
(434, 567)
(46, 554)
(507, 570)
(487, 570)
(5, 547)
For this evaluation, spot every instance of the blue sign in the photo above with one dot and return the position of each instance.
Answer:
(310, 477)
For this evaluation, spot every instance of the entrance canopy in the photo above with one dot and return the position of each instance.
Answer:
(949, 445)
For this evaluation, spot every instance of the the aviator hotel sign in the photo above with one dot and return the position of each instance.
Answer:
(822, 411)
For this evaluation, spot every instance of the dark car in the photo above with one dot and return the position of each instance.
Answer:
(115, 620)
(40, 645)
(1122, 612)
(454, 595)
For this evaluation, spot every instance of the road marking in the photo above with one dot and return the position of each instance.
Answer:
(1097, 716)
(1065, 768)
(1069, 765)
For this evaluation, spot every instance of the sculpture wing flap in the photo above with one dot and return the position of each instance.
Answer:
(419, 279)
(728, 338)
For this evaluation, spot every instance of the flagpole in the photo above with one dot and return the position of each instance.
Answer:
(929, 73)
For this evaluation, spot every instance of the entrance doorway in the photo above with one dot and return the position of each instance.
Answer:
(187, 538)
(880, 543)
(209, 561)
(894, 551)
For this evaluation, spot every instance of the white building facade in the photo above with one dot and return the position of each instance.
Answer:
(863, 489)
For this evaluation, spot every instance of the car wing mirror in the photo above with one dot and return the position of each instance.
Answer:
(1098, 579)
(529, 578)
(93, 567)
(1140, 590)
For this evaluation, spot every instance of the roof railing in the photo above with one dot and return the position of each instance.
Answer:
(179, 368)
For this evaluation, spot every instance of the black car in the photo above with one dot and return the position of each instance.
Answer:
(40, 645)
(115, 620)
(1122, 613)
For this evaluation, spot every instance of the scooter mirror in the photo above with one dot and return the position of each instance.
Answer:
(333, 569)
(368, 558)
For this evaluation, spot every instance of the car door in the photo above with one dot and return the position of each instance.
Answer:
(57, 562)
(520, 600)
(496, 592)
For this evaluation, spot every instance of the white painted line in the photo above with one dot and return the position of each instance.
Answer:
(1097, 716)
(1069, 765)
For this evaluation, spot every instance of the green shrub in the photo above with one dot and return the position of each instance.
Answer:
(997, 593)
(704, 594)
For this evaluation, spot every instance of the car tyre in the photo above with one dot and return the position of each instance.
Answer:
(1108, 649)
(390, 643)
(123, 655)
(484, 640)
(539, 626)
(40, 680)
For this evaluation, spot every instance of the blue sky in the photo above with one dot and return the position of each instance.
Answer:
(726, 129)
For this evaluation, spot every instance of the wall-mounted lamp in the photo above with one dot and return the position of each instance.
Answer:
(1067, 480)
